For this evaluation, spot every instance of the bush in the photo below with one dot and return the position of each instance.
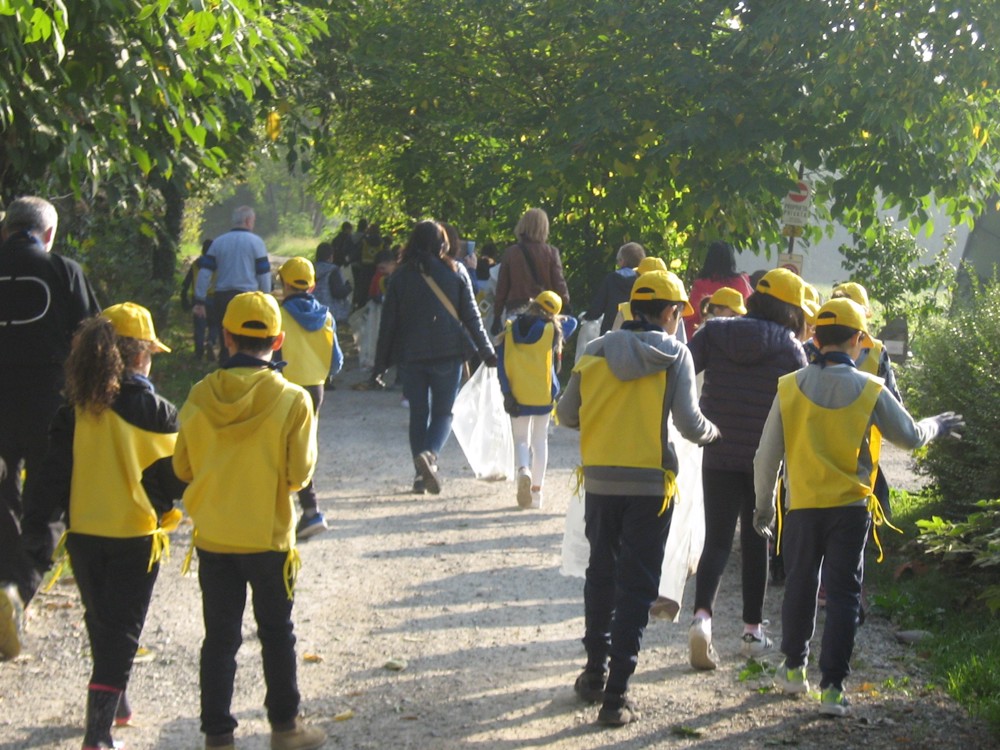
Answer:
(956, 370)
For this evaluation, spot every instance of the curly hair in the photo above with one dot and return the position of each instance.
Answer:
(97, 363)
(536, 310)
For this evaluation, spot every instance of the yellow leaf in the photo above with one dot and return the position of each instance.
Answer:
(738, 119)
(312, 658)
(344, 715)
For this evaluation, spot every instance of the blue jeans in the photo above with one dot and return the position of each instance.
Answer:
(430, 387)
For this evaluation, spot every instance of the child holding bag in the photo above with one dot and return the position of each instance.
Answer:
(529, 357)
(108, 465)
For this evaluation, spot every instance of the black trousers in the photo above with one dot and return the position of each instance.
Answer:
(224, 579)
(116, 588)
(627, 538)
(831, 539)
(218, 311)
(729, 495)
(307, 495)
(28, 401)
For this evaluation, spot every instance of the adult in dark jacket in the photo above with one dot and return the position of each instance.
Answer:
(527, 269)
(430, 325)
(742, 359)
(43, 298)
(616, 287)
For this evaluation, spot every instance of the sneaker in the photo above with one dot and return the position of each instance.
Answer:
(833, 702)
(310, 526)
(589, 686)
(700, 644)
(754, 647)
(523, 487)
(11, 621)
(791, 679)
(536, 499)
(302, 737)
(617, 711)
(664, 609)
(426, 464)
(418, 485)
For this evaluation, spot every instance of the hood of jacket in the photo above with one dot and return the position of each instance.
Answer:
(635, 354)
(240, 400)
(527, 329)
(746, 340)
(307, 311)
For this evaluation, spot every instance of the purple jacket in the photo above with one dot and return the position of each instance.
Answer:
(742, 359)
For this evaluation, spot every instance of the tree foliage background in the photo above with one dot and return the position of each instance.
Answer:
(670, 123)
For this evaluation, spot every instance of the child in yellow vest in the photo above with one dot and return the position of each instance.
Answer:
(312, 353)
(247, 441)
(819, 425)
(621, 397)
(529, 357)
(108, 466)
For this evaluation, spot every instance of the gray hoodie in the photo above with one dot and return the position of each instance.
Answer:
(631, 355)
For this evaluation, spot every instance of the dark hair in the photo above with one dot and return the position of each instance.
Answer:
(650, 310)
(720, 261)
(767, 307)
(834, 335)
(453, 239)
(384, 256)
(427, 240)
(324, 252)
(97, 362)
(756, 276)
(205, 244)
(253, 344)
(346, 227)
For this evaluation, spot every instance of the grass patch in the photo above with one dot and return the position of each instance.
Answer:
(917, 591)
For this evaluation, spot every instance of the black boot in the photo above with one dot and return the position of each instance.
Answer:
(102, 703)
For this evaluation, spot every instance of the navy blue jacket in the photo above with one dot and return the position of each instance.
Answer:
(742, 359)
(415, 325)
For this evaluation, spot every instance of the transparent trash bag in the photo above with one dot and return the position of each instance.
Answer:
(482, 427)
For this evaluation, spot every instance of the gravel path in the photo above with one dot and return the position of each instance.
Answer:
(463, 591)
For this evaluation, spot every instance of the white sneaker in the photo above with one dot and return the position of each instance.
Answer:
(700, 644)
(524, 487)
(754, 647)
(536, 499)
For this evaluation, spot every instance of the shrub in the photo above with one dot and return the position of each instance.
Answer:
(956, 370)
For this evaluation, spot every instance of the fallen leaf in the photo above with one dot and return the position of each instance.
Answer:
(344, 715)
(312, 658)
(395, 665)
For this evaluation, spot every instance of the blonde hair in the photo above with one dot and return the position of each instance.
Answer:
(533, 226)
(536, 309)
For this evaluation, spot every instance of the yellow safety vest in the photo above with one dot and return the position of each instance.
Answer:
(529, 366)
(822, 446)
(308, 353)
(106, 493)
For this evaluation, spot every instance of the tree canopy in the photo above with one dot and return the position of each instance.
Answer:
(667, 122)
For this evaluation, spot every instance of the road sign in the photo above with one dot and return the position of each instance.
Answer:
(791, 261)
(796, 206)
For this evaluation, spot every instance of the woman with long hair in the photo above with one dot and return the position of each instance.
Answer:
(108, 467)
(430, 326)
(718, 270)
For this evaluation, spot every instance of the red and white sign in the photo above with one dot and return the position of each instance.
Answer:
(791, 261)
(795, 208)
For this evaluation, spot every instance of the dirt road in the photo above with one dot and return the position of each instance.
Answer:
(463, 592)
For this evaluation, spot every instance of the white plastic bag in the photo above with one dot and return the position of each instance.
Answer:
(589, 330)
(687, 528)
(482, 427)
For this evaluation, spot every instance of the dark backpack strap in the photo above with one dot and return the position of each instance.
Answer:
(531, 269)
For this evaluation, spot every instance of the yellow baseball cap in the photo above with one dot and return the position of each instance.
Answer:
(726, 296)
(651, 263)
(841, 311)
(812, 296)
(134, 321)
(853, 290)
(298, 273)
(253, 314)
(661, 285)
(787, 286)
(550, 301)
